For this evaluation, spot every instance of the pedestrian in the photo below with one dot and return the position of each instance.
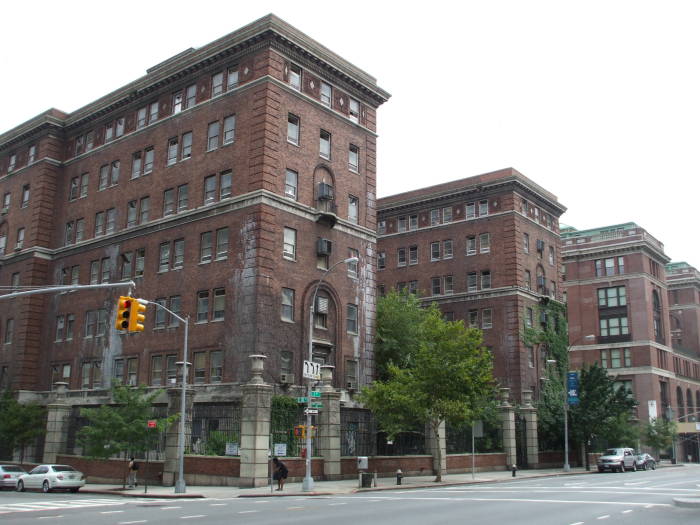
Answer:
(280, 473)
(133, 470)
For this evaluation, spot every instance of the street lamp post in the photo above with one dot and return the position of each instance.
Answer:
(180, 486)
(308, 483)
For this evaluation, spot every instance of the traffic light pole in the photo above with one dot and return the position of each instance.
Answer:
(180, 486)
(69, 288)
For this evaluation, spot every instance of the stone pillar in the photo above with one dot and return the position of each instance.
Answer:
(171, 465)
(530, 414)
(328, 431)
(57, 418)
(508, 427)
(431, 444)
(255, 427)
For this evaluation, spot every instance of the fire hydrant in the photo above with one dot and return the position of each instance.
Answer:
(513, 468)
(399, 476)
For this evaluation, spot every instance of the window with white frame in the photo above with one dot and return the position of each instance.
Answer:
(217, 84)
(326, 94)
(353, 208)
(295, 76)
(485, 280)
(471, 245)
(213, 135)
(434, 251)
(436, 285)
(289, 250)
(471, 210)
(471, 282)
(354, 158)
(352, 318)
(210, 189)
(225, 184)
(354, 111)
(401, 257)
(325, 144)
(402, 224)
(485, 243)
(232, 77)
(287, 310)
(483, 208)
(613, 296)
(447, 249)
(486, 318)
(205, 247)
(449, 284)
(219, 307)
(413, 222)
(447, 214)
(413, 254)
(229, 129)
(290, 184)
(434, 217)
(381, 260)
(202, 306)
(293, 129)
(221, 243)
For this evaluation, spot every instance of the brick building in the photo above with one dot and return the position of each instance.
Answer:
(618, 290)
(223, 182)
(486, 250)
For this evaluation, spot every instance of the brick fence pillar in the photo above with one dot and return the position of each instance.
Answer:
(508, 427)
(57, 418)
(328, 432)
(530, 414)
(255, 427)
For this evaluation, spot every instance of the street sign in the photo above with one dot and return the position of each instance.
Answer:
(572, 388)
(316, 405)
(311, 411)
(315, 393)
(312, 370)
(152, 423)
(302, 399)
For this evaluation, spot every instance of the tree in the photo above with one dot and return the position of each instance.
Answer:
(122, 427)
(600, 404)
(399, 317)
(659, 434)
(446, 374)
(20, 424)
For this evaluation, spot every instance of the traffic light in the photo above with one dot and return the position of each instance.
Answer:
(300, 432)
(123, 312)
(137, 316)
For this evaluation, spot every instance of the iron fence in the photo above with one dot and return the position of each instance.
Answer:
(213, 426)
(459, 438)
(284, 418)
(358, 432)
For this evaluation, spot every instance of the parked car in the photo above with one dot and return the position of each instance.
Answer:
(9, 475)
(617, 460)
(645, 461)
(50, 477)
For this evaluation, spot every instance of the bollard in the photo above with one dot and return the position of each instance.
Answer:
(513, 469)
(399, 476)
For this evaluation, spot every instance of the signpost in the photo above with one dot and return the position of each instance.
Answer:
(312, 371)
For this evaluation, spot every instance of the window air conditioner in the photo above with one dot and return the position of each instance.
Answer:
(324, 247)
(287, 379)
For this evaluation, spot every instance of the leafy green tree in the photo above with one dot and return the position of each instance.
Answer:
(399, 318)
(600, 405)
(621, 432)
(20, 424)
(123, 426)
(659, 434)
(283, 417)
(446, 376)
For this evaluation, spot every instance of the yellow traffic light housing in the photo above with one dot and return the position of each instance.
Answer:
(137, 316)
(123, 312)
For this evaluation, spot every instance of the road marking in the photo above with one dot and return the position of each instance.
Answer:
(335, 504)
(636, 483)
(527, 500)
(604, 517)
(263, 501)
(48, 517)
(218, 504)
(111, 511)
(131, 522)
(627, 511)
(193, 516)
(577, 523)
(648, 506)
(248, 511)
(295, 508)
(169, 508)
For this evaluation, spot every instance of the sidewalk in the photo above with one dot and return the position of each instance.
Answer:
(325, 488)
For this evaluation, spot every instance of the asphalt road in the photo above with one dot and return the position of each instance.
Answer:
(633, 497)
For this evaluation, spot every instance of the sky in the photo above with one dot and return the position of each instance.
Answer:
(596, 101)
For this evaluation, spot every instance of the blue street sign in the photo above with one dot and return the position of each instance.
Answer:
(572, 388)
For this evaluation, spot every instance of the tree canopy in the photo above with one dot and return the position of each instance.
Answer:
(20, 424)
(442, 372)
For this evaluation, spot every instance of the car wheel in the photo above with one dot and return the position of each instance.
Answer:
(20, 486)
(45, 486)
(74, 489)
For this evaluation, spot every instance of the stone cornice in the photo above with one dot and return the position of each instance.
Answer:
(29, 130)
(578, 252)
(613, 279)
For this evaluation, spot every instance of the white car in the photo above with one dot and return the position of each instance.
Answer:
(49, 477)
(9, 475)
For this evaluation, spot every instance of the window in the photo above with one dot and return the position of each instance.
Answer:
(289, 250)
(221, 243)
(616, 358)
(483, 208)
(225, 184)
(177, 102)
(295, 76)
(447, 249)
(381, 227)
(144, 208)
(354, 111)
(486, 321)
(141, 117)
(94, 272)
(136, 165)
(164, 257)
(119, 128)
(131, 213)
(353, 208)
(613, 326)
(352, 318)
(354, 158)
(103, 179)
(203, 306)
(402, 224)
(471, 245)
(434, 217)
(529, 317)
(434, 251)
(127, 262)
(528, 280)
(485, 280)
(114, 173)
(485, 243)
(200, 368)
(172, 151)
(156, 370)
(293, 129)
(60, 328)
(9, 331)
(447, 215)
(168, 202)
(287, 304)
(99, 223)
(325, 144)
(186, 145)
(213, 136)
(473, 318)
(219, 304)
(413, 222)
(153, 112)
(210, 189)
(526, 243)
(401, 257)
(182, 197)
(191, 96)
(326, 94)
(551, 255)
(471, 282)
(69, 233)
(72, 192)
(290, 184)
(25, 196)
(175, 304)
(216, 367)
(160, 314)
(413, 254)
(90, 323)
(353, 267)
(106, 270)
(217, 84)
(229, 129)
(471, 210)
(178, 253)
(232, 77)
(84, 179)
(449, 284)
(381, 260)
(140, 262)
(610, 297)
(205, 247)
(20, 239)
(31, 157)
(8, 195)
(3, 243)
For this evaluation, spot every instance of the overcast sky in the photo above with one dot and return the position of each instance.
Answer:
(597, 101)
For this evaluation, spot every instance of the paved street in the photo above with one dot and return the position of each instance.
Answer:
(567, 500)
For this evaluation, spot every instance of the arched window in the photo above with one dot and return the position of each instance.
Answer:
(679, 398)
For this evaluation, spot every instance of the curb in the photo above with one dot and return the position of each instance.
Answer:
(297, 494)
(687, 502)
(119, 492)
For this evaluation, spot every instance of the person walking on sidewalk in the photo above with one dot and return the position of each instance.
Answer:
(133, 470)
(280, 474)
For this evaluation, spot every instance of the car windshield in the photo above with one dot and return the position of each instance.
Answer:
(613, 452)
(63, 468)
(12, 469)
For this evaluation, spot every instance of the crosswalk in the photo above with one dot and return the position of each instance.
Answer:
(57, 505)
